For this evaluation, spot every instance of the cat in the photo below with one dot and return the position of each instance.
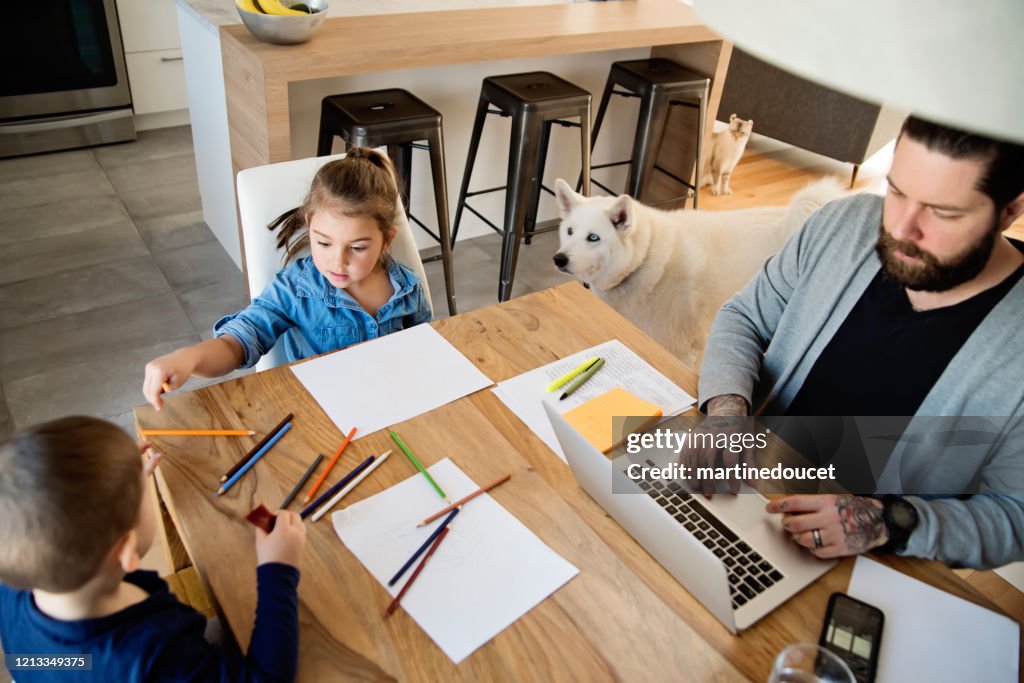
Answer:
(727, 147)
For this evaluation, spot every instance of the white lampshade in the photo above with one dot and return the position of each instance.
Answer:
(955, 62)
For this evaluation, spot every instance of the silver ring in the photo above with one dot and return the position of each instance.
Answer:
(816, 534)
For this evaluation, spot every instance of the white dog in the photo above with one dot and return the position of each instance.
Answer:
(669, 272)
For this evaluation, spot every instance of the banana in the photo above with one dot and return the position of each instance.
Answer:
(248, 6)
(276, 7)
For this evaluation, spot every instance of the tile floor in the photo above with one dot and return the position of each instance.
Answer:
(105, 263)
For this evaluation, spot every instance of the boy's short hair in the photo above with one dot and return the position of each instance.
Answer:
(69, 489)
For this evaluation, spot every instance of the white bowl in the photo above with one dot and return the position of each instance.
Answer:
(286, 29)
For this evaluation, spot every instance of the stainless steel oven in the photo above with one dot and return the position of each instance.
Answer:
(63, 81)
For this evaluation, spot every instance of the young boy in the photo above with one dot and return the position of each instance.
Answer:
(76, 520)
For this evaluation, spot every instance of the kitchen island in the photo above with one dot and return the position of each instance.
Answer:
(253, 103)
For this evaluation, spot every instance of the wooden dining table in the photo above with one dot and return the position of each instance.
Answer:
(622, 618)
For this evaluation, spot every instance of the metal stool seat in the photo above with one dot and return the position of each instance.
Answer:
(396, 119)
(660, 84)
(535, 101)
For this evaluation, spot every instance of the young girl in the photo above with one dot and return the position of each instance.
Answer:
(347, 291)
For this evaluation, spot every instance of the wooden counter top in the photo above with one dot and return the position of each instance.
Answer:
(257, 74)
(348, 45)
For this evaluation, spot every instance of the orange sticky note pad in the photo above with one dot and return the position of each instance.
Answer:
(595, 419)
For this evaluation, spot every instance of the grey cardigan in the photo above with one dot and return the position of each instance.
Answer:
(767, 338)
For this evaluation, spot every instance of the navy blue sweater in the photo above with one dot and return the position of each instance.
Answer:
(158, 639)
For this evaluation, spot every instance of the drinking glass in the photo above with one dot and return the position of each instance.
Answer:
(808, 663)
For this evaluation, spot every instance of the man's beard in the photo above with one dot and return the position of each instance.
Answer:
(930, 274)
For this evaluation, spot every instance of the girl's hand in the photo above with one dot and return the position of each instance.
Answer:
(170, 372)
(284, 544)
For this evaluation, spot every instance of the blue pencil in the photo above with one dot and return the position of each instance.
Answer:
(426, 544)
(308, 510)
(252, 461)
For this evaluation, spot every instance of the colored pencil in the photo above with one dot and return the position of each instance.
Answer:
(308, 510)
(302, 481)
(252, 451)
(351, 485)
(582, 379)
(416, 572)
(483, 489)
(330, 465)
(259, 454)
(166, 387)
(405, 449)
(426, 544)
(196, 432)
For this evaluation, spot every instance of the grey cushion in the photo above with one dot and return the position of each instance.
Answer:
(804, 114)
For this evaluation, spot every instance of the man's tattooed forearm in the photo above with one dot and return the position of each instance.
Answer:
(728, 405)
(861, 519)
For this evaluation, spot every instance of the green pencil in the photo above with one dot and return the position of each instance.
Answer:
(417, 463)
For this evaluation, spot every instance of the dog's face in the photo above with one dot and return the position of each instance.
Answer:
(593, 236)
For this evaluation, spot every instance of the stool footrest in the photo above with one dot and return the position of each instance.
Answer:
(660, 202)
(603, 187)
(611, 163)
(674, 177)
(484, 218)
(550, 228)
(487, 191)
(427, 230)
(625, 93)
(680, 103)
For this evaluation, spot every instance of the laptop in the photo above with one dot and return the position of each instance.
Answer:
(727, 552)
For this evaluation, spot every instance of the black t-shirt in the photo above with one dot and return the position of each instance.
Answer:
(886, 356)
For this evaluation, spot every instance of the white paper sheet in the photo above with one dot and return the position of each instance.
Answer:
(489, 571)
(930, 635)
(388, 380)
(525, 394)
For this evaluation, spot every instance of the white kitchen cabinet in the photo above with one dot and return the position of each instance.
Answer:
(157, 79)
(156, 74)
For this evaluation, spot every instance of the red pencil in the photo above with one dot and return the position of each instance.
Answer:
(416, 572)
(330, 464)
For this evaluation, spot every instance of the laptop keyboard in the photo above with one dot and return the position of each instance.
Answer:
(749, 573)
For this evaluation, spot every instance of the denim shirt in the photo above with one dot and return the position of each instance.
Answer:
(312, 316)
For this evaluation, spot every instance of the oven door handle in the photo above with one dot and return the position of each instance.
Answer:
(57, 123)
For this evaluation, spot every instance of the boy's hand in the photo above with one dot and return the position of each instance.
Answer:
(170, 371)
(284, 543)
(150, 458)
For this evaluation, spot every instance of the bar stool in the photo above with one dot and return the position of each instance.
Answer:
(397, 119)
(660, 84)
(535, 101)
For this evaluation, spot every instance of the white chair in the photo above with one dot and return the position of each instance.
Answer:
(264, 193)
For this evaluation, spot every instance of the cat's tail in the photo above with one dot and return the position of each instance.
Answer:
(810, 199)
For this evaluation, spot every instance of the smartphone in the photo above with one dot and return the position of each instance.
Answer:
(853, 631)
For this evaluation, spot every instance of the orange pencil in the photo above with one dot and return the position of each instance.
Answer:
(330, 464)
(483, 489)
(196, 432)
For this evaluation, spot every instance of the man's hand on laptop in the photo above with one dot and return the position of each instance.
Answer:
(727, 414)
(832, 526)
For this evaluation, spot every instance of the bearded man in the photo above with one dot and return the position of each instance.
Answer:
(907, 305)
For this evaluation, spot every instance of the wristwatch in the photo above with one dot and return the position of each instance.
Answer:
(900, 518)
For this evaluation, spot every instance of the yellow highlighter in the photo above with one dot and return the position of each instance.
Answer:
(572, 373)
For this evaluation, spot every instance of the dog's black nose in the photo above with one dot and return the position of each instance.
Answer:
(561, 260)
